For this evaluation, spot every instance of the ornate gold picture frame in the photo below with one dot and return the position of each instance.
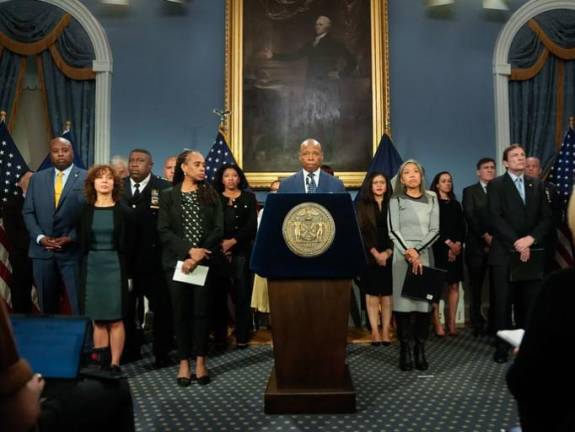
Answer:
(279, 92)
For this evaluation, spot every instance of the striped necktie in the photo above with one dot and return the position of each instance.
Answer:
(310, 182)
(58, 185)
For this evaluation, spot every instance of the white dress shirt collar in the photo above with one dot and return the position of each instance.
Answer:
(142, 184)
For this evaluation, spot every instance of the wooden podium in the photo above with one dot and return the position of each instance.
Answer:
(309, 302)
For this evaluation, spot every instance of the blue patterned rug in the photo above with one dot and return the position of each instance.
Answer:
(464, 390)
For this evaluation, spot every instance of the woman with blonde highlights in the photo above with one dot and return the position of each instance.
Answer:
(413, 223)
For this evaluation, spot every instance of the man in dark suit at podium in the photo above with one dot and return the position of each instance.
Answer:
(311, 178)
(142, 193)
(520, 220)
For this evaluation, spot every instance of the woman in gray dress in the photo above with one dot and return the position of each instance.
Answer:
(104, 241)
(413, 222)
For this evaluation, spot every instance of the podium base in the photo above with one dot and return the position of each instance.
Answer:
(310, 401)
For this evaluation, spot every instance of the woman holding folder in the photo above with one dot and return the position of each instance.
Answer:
(413, 223)
(190, 224)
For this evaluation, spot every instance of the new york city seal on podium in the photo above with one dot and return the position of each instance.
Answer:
(308, 229)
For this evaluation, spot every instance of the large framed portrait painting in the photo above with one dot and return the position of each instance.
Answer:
(302, 69)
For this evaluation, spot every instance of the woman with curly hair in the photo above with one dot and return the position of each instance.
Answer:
(105, 240)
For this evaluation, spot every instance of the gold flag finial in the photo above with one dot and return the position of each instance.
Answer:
(2, 116)
(67, 125)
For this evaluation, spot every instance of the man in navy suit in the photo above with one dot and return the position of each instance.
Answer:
(52, 207)
(520, 219)
(311, 178)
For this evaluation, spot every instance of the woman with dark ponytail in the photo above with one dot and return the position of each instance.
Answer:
(190, 225)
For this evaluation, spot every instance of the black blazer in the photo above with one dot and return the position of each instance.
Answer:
(245, 222)
(147, 255)
(535, 379)
(124, 244)
(175, 247)
(510, 219)
(477, 217)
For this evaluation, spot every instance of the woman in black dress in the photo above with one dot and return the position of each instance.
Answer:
(447, 250)
(104, 239)
(240, 225)
(190, 225)
(375, 279)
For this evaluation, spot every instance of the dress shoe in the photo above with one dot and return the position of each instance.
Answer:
(183, 381)
(241, 346)
(385, 343)
(405, 357)
(204, 380)
(501, 355)
(376, 343)
(117, 372)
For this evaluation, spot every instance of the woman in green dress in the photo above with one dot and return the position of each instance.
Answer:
(104, 241)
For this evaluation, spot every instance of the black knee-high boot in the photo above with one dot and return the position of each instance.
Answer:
(404, 334)
(422, 323)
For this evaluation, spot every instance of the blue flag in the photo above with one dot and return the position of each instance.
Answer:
(218, 155)
(12, 165)
(67, 134)
(386, 159)
(563, 169)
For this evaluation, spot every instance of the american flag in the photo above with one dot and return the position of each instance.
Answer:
(562, 175)
(12, 166)
(218, 155)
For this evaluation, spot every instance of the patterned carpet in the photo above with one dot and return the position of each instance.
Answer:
(462, 391)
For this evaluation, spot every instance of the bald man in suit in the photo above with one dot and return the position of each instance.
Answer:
(51, 211)
(311, 178)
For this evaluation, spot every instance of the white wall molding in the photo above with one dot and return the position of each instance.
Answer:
(102, 65)
(502, 69)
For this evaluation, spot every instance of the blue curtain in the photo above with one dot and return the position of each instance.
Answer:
(9, 68)
(534, 106)
(67, 98)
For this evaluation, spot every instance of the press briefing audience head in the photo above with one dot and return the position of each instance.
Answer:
(120, 166)
(61, 153)
(533, 167)
(169, 166)
(486, 169)
(410, 176)
(310, 155)
(140, 164)
(514, 159)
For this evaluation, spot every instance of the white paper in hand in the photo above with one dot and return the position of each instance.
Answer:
(196, 277)
(513, 337)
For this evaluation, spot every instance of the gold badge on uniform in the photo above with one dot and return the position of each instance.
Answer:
(155, 199)
(308, 229)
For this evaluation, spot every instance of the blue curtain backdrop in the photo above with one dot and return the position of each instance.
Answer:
(542, 85)
(68, 82)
